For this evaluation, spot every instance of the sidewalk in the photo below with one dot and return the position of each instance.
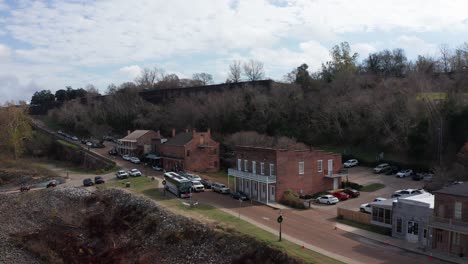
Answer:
(391, 241)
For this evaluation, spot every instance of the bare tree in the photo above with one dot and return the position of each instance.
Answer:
(445, 56)
(149, 77)
(203, 78)
(253, 70)
(235, 71)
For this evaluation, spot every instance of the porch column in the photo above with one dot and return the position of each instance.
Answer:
(235, 183)
(258, 192)
(250, 189)
(449, 244)
(228, 180)
(266, 193)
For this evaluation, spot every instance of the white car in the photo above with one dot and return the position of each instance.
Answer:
(406, 192)
(327, 199)
(125, 157)
(366, 208)
(404, 173)
(134, 173)
(121, 174)
(381, 167)
(135, 160)
(379, 199)
(350, 163)
(197, 186)
(192, 177)
(156, 168)
(219, 187)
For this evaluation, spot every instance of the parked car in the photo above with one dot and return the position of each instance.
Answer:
(75, 138)
(406, 192)
(156, 168)
(327, 199)
(391, 170)
(206, 183)
(113, 152)
(365, 208)
(126, 157)
(379, 199)
(197, 186)
(88, 182)
(134, 173)
(135, 160)
(52, 183)
(352, 193)
(191, 176)
(240, 196)
(97, 145)
(121, 174)
(219, 187)
(404, 173)
(99, 180)
(350, 163)
(381, 167)
(340, 195)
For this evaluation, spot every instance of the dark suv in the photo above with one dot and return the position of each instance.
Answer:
(88, 182)
(98, 180)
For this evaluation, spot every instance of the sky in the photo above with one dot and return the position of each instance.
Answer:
(52, 44)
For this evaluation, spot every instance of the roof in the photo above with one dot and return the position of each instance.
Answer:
(385, 203)
(456, 189)
(424, 198)
(180, 139)
(135, 135)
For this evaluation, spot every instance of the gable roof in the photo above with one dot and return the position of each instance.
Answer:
(456, 189)
(136, 134)
(180, 139)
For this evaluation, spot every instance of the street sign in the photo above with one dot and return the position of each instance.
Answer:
(164, 182)
(280, 219)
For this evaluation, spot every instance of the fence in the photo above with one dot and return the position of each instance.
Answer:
(354, 216)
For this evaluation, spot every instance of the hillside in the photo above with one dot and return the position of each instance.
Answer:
(73, 225)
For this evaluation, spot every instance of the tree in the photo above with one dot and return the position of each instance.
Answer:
(235, 71)
(15, 128)
(445, 56)
(149, 77)
(253, 70)
(44, 97)
(61, 96)
(203, 78)
(342, 61)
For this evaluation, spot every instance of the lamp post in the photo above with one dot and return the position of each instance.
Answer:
(240, 205)
(280, 220)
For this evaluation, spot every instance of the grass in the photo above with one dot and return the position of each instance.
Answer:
(372, 187)
(220, 176)
(74, 168)
(224, 221)
(371, 228)
(67, 144)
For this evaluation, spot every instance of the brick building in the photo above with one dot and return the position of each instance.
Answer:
(192, 151)
(450, 220)
(266, 173)
(138, 143)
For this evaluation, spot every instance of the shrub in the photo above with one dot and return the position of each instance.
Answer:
(351, 185)
(292, 199)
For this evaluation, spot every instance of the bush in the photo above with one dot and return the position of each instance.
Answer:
(351, 185)
(292, 199)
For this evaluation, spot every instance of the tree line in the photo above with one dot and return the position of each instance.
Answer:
(386, 102)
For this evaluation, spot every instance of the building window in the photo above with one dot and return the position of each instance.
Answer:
(398, 225)
(458, 210)
(188, 153)
(214, 151)
(202, 139)
(262, 168)
(319, 165)
(254, 167)
(246, 165)
(215, 164)
(413, 228)
(239, 164)
(388, 216)
(272, 169)
(301, 167)
(424, 233)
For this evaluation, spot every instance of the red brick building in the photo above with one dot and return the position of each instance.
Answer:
(265, 173)
(138, 143)
(450, 221)
(192, 151)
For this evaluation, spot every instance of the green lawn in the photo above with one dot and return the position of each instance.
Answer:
(67, 144)
(371, 228)
(220, 176)
(225, 221)
(73, 167)
(372, 187)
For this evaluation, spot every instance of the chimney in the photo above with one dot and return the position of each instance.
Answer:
(209, 132)
(128, 132)
(194, 131)
(186, 130)
(173, 132)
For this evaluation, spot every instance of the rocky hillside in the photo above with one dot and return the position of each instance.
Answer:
(73, 225)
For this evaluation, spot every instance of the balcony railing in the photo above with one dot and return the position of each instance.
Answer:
(336, 174)
(251, 176)
(449, 224)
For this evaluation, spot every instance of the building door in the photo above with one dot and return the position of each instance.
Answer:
(330, 167)
(412, 231)
(262, 191)
(247, 187)
(335, 183)
(254, 191)
(271, 195)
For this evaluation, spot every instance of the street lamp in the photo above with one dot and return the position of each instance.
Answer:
(280, 220)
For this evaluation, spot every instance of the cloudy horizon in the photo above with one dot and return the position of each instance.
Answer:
(53, 44)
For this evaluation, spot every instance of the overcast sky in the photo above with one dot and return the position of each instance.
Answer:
(52, 44)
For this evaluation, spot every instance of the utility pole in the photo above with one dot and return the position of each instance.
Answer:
(280, 220)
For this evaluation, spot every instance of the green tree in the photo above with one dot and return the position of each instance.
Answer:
(15, 128)
(342, 60)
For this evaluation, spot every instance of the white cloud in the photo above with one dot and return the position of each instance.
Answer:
(5, 52)
(131, 71)
(3, 5)
(363, 49)
(415, 45)
(12, 90)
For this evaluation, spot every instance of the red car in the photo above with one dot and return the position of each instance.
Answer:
(340, 195)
